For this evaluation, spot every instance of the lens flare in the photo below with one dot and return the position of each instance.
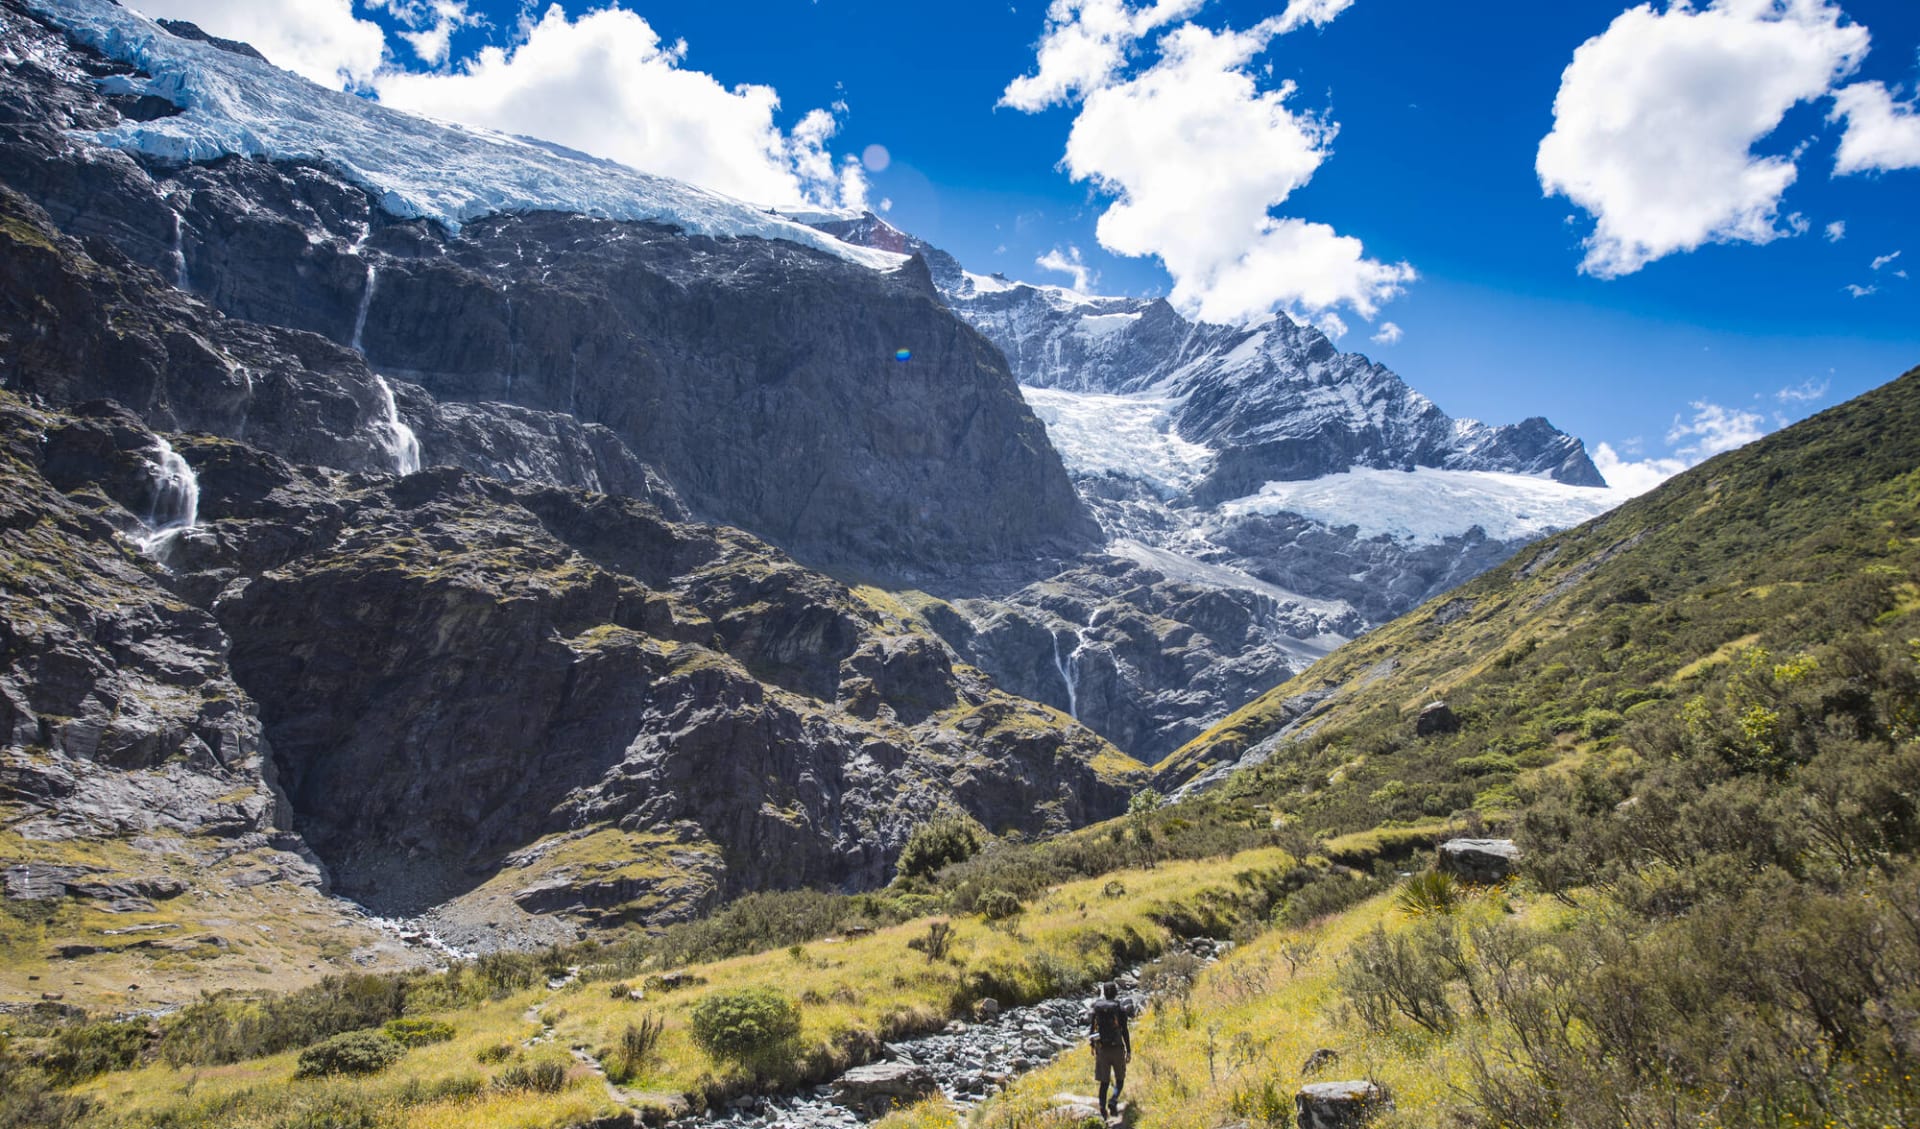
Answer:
(876, 158)
(903, 355)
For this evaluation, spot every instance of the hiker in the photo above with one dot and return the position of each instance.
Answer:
(1112, 1045)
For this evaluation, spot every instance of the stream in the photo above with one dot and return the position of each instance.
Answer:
(969, 1061)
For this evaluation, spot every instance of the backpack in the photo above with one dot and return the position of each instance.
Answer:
(1109, 1023)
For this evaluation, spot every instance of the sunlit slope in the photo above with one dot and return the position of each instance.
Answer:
(1778, 545)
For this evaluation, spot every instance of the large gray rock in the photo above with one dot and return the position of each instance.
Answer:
(1483, 861)
(876, 1088)
(1339, 1105)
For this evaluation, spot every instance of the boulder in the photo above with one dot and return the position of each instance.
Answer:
(1435, 718)
(878, 1087)
(1484, 861)
(985, 1009)
(1339, 1105)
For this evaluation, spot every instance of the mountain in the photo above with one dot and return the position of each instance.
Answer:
(751, 358)
(376, 547)
(1318, 488)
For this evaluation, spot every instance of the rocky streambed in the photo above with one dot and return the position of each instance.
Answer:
(966, 1062)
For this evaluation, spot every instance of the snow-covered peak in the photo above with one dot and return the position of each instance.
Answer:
(234, 105)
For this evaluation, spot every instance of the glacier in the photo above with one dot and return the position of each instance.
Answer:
(418, 168)
(1427, 505)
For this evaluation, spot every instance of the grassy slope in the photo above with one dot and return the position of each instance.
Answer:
(1551, 655)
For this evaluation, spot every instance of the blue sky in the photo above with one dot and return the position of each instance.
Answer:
(1417, 129)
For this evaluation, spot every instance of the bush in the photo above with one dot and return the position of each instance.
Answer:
(492, 1053)
(544, 1073)
(938, 939)
(81, 1052)
(746, 1025)
(998, 905)
(638, 1043)
(1325, 897)
(1429, 892)
(944, 839)
(418, 1032)
(356, 1052)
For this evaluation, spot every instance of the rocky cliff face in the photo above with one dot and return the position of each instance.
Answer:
(493, 702)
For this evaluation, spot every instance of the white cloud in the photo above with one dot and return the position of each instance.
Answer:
(1712, 430)
(1883, 260)
(1331, 324)
(1085, 43)
(1715, 429)
(1633, 477)
(1390, 334)
(1836, 231)
(1196, 156)
(1806, 392)
(319, 39)
(605, 84)
(433, 23)
(853, 185)
(1881, 134)
(1656, 119)
(1068, 263)
(886, 203)
(1859, 291)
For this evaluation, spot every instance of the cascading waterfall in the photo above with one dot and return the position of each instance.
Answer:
(366, 303)
(1069, 669)
(396, 436)
(176, 501)
(179, 254)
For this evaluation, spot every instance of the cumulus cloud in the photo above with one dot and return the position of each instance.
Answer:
(1859, 291)
(1882, 135)
(1836, 231)
(605, 84)
(1068, 263)
(1656, 120)
(1633, 477)
(319, 39)
(1084, 45)
(1711, 430)
(1390, 334)
(1196, 155)
(1883, 260)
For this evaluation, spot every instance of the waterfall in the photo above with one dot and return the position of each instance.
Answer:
(176, 501)
(1069, 669)
(396, 436)
(366, 302)
(179, 254)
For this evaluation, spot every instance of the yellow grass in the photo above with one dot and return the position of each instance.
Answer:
(1246, 1030)
(852, 991)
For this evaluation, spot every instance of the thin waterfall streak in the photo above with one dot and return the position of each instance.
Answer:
(366, 303)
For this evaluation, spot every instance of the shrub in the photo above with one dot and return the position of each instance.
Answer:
(418, 1032)
(998, 905)
(544, 1073)
(938, 939)
(356, 1052)
(81, 1052)
(1429, 892)
(1388, 973)
(638, 1044)
(492, 1053)
(948, 838)
(745, 1025)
